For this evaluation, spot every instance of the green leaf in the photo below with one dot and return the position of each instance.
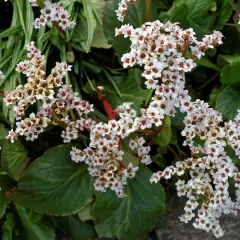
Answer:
(231, 153)
(54, 184)
(164, 137)
(6, 184)
(228, 102)
(20, 7)
(129, 217)
(197, 8)
(33, 231)
(3, 134)
(230, 73)
(224, 12)
(34, 217)
(129, 87)
(8, 227)
(14, 158)
(194, 14)
(45, 37)
(89, 30)
(29, 22)
(11, 31)
(128, 156)
(229, 58)
(177, 120)
(99, 38)
(204, 61)
(74, 228)
(86, 213)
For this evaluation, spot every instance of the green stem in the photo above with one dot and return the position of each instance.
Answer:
(208, 82)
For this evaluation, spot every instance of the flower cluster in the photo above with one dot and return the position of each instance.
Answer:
(56, 99)
(209, 166)
(104, 155)
(53, 13)
(161, 50)
(122, 9)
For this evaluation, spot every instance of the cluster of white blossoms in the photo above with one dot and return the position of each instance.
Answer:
(54, 97)
(122, 9)
(210, 169)
(53, 13)
(166, 52)
(104, 155)
(2, 76)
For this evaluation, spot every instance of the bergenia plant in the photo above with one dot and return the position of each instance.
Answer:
(165, 52)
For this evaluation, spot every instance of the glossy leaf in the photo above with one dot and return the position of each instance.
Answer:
(224, 12)
(228, 102)
(54, 184)
(14, 158)
(230, 73)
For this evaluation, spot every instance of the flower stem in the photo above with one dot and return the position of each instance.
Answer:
(148, 7)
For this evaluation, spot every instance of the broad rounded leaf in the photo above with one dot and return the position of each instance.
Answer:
(228, 102)
(14, 158)
(54, 184)
(230, 73)
(130, 217)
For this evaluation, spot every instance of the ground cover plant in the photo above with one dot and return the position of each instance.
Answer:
(108, 105)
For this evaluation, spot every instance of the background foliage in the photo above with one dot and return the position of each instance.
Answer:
(44, 194)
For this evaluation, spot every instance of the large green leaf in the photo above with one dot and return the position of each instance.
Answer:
(194, 14)
(33, 231)
(14, 158)
(130, 217)
(74, 228)
(228, 102)
(230, 73)
(54, 184)
(224, 12)
(6, 184)
(197, 8)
